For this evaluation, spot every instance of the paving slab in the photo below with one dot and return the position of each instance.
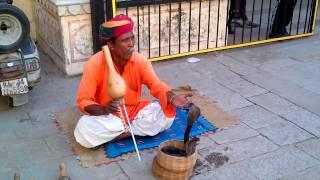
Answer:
(8, 136)
(256, 117)
(310, 85)
(242, 149)
(53, 101)
(295, 75)
(312, 53)
(21, 154)
(7, 172)
(258, 57)
(311, 147)
(13, 114)
(13, 118)
(49, 170)
(206, 60)
(58, 84)
(274, 103)
(307, 174)
(282, 162)
(183, 79)
(3, 156)
(310, 66)
(284, 133)
(234, 133)
(206, 141)
(296, 94)
(237, 66)
(176, 75)
(225, 76)
(224, 97)
(36, 131)
(305, 120)
(103, 172)
(170, 70)
(42, 116)
(237, 171)
(202, 168)
(58, 147)
(278, 64)
(246, 89)
(139, 170)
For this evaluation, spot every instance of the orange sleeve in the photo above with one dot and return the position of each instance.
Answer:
(158, 89)
(88, 85)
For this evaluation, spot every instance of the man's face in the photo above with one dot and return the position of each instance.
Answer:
(124, 46)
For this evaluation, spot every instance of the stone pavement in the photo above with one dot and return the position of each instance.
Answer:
(273, 89)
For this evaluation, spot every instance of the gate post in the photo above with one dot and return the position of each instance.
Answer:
(97, 17)
(313, 12)
(109, 12)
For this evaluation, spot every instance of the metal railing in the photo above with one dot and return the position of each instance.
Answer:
(173, 28)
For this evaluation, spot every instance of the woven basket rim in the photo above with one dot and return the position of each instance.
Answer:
(175, 157)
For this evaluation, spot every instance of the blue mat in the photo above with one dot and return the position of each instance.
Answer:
(175, 132)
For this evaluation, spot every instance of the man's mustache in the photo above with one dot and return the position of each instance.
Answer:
(130, 50)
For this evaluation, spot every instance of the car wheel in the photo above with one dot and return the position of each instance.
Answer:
(14, 27)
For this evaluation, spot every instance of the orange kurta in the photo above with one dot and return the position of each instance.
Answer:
(138, 71)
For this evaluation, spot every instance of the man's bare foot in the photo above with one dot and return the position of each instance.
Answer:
(121, 136)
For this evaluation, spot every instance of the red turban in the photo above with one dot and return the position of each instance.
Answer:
(115, 27)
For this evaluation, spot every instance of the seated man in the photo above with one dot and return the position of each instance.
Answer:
(102, 122)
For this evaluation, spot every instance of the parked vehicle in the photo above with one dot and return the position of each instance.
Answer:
(19, 58)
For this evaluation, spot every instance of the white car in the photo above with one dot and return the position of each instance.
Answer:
(19, 58)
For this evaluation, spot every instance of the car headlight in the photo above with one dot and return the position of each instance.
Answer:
(32, 64)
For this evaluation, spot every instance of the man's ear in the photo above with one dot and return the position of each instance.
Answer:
(111, 45)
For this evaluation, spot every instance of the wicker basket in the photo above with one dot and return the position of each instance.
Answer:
(172, 167)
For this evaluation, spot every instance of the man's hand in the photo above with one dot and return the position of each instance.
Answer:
(113, 107)
(98, 110)
(180, 101)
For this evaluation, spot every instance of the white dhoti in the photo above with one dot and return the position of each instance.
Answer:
(92, 131)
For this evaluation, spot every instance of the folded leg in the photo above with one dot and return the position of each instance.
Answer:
(92, 131)
(151, 120)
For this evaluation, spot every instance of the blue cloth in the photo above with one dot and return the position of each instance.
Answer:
(175, 132)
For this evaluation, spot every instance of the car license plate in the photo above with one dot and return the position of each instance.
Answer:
(12, 87)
